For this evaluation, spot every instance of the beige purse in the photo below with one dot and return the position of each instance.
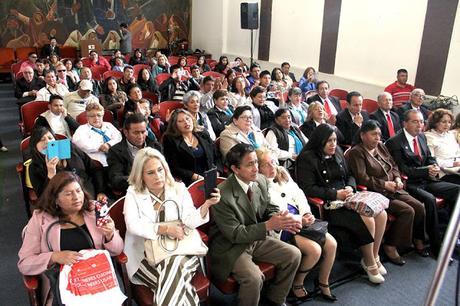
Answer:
(159, 249)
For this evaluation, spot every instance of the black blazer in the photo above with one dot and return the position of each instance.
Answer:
(180, 157)
(219, 119)
(347, 127)
(407, 106)
(47, 50)
(333, 100)
(168, 88)
(21, 86)
(308, 127)
(408, 163)
(313, 175)
(379, 116)
(120, 163)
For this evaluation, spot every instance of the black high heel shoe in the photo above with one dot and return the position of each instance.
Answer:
(307, 297)
(329, 298)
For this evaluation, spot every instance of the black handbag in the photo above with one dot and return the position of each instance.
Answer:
(316, 232)
(52, 273)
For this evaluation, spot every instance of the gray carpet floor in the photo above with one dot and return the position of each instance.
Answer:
(405, 285)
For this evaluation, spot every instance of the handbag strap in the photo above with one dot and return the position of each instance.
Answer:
(162, 204)
(82, 231)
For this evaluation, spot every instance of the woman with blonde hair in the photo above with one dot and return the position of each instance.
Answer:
(151, 182)
(285, 193)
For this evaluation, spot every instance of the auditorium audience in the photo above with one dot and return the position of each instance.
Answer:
(173, 88)
(52, 87)
(125, 82)
(388, 119)
(137, 58)
(237, 94)
(372, 166)
(201, 63)
(87, 74)
(298, 108)
(112, 98)
(400, 90)
(206, 91)
(146, 81)
(120, 157)
(42, 170)
(76, 101)
(119, 64)
(30, 61)
(50, 48)
(262, 110)
(96, 137)
(308, 80)
(411, 153)
(278, 82)
(26, 88)
(253, 78)
(64, 199)
(287, 195)
(95, 60)
(221, 114)
(40, 69)
(322, 172)
(56, 118)
(191, 102)
(417, 96)
(188, 148)
(195, 79)
(331, 104)
(150, 182)
(162, 66)
(349, 120)
(70, 71)
(222, 65)
(64, 78)
(443, 145)
(288, 76)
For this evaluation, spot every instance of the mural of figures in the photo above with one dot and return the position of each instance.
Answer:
(153, 23)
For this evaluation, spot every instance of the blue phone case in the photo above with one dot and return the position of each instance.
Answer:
(59, 148)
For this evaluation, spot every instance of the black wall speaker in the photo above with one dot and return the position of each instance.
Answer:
(249, 16)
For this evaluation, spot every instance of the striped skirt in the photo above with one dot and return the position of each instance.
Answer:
(171, 280)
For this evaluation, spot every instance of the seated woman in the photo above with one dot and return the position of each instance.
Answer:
(298, 108)
(285, 136)
(322, 172)
(191, 102)
(285, 193)
(221, 114)
(134, 97)
(222, 66)
(227, 82)
(146, 82)
(182, 63)
(119, 64)
(112, 98)
(137, 58)
(241, 66)
(308, 80)
(372, 166)
(201, 63)
(443, 144)
(70, 72)
(316, 116)
(188, 148)
(162, 66)
(170, 279)
(237, 94)
(63, 199)
(42, 170)
(277, 80)
(96, 137)
(241, 130)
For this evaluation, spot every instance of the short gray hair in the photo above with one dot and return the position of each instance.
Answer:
(382, 95)
(136, 177)
(190, 94)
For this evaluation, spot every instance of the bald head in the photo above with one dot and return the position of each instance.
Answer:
(28, 73)
(385, 101)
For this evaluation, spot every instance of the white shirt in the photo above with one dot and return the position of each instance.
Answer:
(331, 106)
(44, 94)
(75, 104)
(444, 147)
(56, 124)
(243, 184)
(273, 142)
(410, 140)
(89, 141)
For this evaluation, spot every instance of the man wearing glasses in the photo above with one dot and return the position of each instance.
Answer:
(417, 96)
(30, 62)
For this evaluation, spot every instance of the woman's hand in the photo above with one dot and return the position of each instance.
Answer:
(51, 166)
(108, 229)
(65, 257)
(342, 194)
(176, 231)
(214, 199)
(308, 219)
(391, 186)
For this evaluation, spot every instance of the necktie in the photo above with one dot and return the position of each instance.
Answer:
(252, 139)
(327, 108)
(249, 193)
(416, 149)
(102, 133)
(297, 142)
(391, 129)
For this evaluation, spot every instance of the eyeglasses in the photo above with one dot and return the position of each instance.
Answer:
(96, 115)
(245, 117)
(420, 95)
(61, 70)
(34, 57)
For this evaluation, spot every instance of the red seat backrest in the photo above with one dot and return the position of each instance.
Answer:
(30, 111)
(168, 105)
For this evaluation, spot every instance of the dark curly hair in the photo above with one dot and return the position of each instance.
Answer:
(436, 117)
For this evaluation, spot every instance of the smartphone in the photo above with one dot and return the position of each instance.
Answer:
(102, 213)
(210, 182)
(59, 148)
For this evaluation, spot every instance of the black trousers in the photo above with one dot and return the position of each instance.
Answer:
(426, 192)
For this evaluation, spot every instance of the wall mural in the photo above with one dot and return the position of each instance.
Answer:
(153, 23)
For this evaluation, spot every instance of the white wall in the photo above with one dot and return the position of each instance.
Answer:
(451, 84)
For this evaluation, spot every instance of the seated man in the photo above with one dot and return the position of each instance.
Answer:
(127, 79)
(87, 74)
(389, 120)
(76, 101)
(331, 104)
(52, 87)
(262, 110)
(206, 91)
(51, 48)
(56, 118)
(64, 78)
(173, 88)
(196, 79)
(221, 114)
(253, 78)
(288, 76)
(243, 217)
(417, 96)
(120, 157)
(26, 88)
(411, 153)
(350, 119)
(400, 90)
(30, 61)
